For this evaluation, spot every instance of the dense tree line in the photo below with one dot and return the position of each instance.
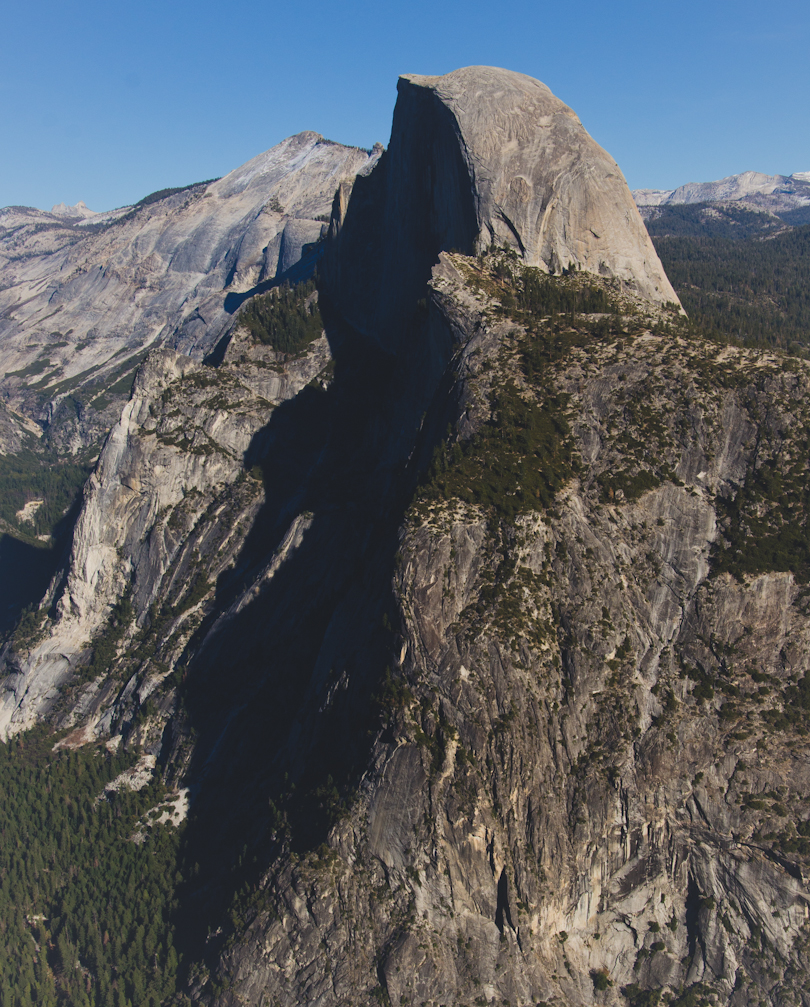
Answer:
(286, 318)
(85, 911)
(754, 289)
(29, 475)
(538, 295)
(709, 220)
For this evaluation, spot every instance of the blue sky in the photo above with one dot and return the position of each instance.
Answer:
(107, 102)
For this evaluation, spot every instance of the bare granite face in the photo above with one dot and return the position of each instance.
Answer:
(176, 447)
(552, 808)
(540, 183)
(458, 743)
(79, 300)
(481, 156)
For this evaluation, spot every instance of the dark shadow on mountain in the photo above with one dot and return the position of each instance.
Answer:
(26, 569)
(285, 679)
(301, 270)
(283, 694)
(25, 572)
(416, 202)
(217, 355)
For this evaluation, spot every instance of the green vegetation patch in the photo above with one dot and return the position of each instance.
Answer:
(521, 458)
(121, 385)
(538, 295)
(28, 476)
(638, 997)
(106, 643)
(754, 291)
(31, 370)
(708, 220)
(643, 443)
(284, 318)
(696, 995)
(765, 522)
(86, 912)
(795, 710)
(631, 483)
(517, 462)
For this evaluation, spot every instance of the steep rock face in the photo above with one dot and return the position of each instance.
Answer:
(541, 183)
(578, 784)
(180, 444)
(78, 303)
(525, 732)
(484, 155)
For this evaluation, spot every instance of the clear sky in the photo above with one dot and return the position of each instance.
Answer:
(108, 101)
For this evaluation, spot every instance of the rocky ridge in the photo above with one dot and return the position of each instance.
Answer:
(482, 639)
(80, 307)
(79, 211)
(777, 194)
(83, 303)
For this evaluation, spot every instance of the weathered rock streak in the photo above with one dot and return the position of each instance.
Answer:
(478, 156)
(539, 182)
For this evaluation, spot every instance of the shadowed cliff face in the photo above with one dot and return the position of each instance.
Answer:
(574, 784)
(482, 156)
(416, 202)
(517, 719)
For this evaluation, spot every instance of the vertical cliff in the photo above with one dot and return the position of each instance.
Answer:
(482, 156)
(577, 788)
(477, 627)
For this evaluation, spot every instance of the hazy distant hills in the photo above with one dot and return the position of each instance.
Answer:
(787, 196)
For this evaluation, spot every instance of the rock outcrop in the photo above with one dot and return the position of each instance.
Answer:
(79, 303)
(180, 444)
(84, 301)
(482, 156)
(576, 785)
(478, 629)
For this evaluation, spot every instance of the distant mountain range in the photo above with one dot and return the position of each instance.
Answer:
(736, 253)
(786, 196)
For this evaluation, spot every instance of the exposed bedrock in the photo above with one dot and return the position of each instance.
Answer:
(482, 155)
(76, 302)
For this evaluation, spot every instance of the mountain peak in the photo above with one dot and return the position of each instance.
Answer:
(541, 184)
(775, 193)
(483, 156)
(80, 209)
